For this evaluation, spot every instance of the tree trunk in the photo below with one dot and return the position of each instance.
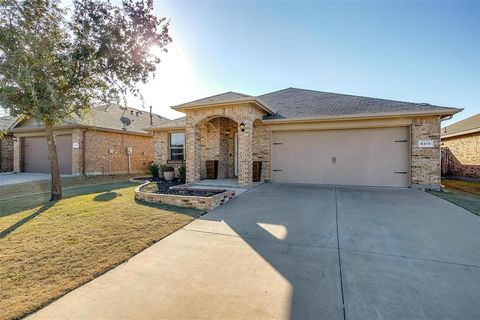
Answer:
(56, 193)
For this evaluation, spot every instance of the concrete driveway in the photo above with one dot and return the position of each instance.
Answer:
(273, 253)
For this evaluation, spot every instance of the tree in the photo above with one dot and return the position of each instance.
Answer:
(56, 63)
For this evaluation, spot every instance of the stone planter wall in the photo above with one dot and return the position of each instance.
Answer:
(202, 203)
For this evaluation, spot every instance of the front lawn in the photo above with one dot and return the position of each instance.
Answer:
(47, 250)
(465, 194)
(462, 185)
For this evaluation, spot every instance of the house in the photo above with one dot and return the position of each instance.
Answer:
(461, 148)
(109, 140)
(6, 143)
(305, 136)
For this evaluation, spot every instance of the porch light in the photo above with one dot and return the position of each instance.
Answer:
(227, 132)
(242, 127)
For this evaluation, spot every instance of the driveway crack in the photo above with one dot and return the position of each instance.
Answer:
(339, 258)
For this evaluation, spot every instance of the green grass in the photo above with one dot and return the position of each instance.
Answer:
(465, 194)
(48, 249)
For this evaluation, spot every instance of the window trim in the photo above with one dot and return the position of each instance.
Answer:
(170, 147)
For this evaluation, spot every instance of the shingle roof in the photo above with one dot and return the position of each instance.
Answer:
(114, 117)
(6, 122)
(121, 118)
(467, 124)
(180, 122)
(223, 97)
(293, 103)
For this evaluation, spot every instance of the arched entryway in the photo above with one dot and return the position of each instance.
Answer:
(219, 145)
(223, 134)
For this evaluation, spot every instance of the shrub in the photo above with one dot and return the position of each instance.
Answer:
(154, 170)
(182, 172)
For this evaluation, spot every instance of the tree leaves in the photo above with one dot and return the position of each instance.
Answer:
(52, 66)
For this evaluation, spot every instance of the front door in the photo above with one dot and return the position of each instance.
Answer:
(235, 155)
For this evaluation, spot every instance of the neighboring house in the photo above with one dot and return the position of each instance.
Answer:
(461, 148)
(306, 136)
(6, 143)
(109, 140)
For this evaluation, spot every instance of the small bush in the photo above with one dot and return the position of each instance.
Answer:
(154, 170)
(182, 172)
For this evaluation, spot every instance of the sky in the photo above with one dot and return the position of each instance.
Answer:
(411, 51)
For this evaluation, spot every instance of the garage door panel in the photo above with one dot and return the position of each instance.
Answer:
(374, 157)
(36, 154)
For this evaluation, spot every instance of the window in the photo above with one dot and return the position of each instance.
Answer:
(177, 146)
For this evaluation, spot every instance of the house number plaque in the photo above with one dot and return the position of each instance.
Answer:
(425, 143)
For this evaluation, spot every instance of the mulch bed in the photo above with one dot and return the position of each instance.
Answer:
(163, 187)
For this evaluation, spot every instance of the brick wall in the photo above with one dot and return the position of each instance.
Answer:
(217, 143)
(462, 155)
(195, 118)
(6, 154)
(262, 136)
(160, 147)
(77, 153)
(425, 162)
(99, 159)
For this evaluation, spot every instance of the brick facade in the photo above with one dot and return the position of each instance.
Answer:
(425, 162)
(207, 139)
(462, 155)
(196, 119)
(262, 137)
(160, 147)
(104, 152)
(6, 154)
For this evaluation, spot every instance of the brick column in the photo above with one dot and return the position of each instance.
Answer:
(16, 154)
(426, 169)
(77, 153)
(192, 153)
(245, 153)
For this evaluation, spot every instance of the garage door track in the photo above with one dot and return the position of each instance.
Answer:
(300, 252)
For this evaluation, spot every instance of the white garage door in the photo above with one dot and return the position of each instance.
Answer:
(367, 157)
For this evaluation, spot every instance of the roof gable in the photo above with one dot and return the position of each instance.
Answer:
(219, 98)
(6, 122)
(465, 125)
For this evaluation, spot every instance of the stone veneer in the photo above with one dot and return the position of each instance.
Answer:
(462, 155)
(425, 162)
(202, 203)
(195, 118)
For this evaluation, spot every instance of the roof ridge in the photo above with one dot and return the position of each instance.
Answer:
(108, 105)
(358, 96)
(215, 95)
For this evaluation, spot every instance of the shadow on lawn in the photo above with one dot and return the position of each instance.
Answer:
(12, 206)
(107, 196)
(20, 223)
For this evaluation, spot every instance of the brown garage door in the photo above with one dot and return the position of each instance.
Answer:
(368, 157)
(36, 154)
